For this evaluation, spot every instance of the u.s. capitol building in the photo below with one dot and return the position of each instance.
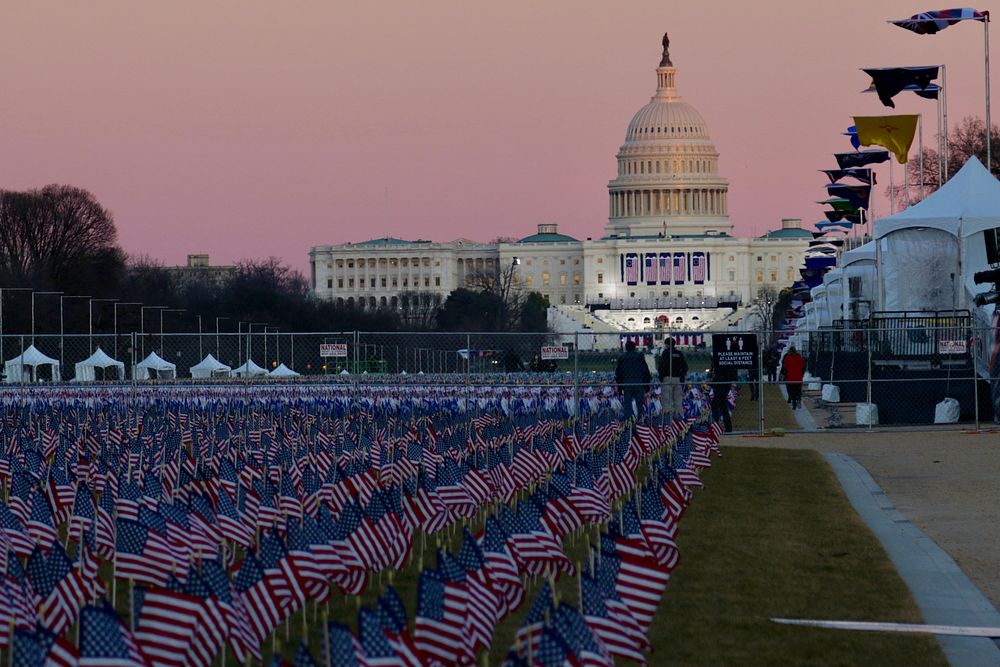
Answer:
(667, 246)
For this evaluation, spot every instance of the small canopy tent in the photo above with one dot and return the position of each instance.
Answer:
(834, 283)
(249, 369)
(283, 371)
(111, 369)
(24, 367)
(154, 367)
(858, 266)
(928, 252)
(210, 367)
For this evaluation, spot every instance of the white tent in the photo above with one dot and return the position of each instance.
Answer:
(86, 370)
(929, 252)
(833, 280)
(24, 367)
(859, 281)
(154, 367)
(209, 367)
(249, 369)
(283, 371)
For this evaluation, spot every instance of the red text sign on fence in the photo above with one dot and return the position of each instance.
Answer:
(333, 350)
(555, 352)
(952, 347)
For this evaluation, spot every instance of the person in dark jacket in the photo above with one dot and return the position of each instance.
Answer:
(672, 370)
(771, 358)
(632, 377)
(722, 381)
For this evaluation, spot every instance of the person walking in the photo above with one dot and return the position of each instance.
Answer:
(771, 358)
(722, 381)
(632, 377)
(672, 370)
(793, 367)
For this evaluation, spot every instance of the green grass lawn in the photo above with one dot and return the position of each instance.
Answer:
(777, 412)
(772, 534)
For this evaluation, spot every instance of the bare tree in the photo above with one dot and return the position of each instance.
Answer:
(500, 281)
(763, 310)
(419, 309)
(52, 235)
(966, 139)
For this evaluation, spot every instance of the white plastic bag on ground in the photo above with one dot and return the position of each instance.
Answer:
(831, 393)
(866, 414)
(947, 411)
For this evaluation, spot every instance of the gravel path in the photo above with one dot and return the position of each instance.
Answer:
(945, 481)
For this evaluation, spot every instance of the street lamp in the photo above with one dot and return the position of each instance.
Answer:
(122, 303)
(166, 310)
(33, 313)
(142, 324)
(217, 356)
(61, 329)
(90, 318)
(2, 290)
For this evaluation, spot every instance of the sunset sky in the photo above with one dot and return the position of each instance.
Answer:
(249, 129)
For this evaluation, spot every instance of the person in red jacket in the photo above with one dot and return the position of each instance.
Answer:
(793, 367)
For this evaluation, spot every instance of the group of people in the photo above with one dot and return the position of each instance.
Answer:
(633, 378)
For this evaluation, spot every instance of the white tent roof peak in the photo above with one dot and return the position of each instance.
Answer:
(283, 371)
(100, 359)
(210, 363)
(967, 203)
(249, 368)
(859, 254)
(32, 356)
(156, 362)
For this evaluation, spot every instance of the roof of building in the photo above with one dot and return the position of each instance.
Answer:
(388, 240)
(644, 237)
(548, 237)
(789, 233)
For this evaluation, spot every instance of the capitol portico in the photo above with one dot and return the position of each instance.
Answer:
(667, 244)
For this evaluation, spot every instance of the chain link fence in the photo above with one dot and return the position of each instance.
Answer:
(902, 371)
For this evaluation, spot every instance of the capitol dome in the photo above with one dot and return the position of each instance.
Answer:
(668, 182)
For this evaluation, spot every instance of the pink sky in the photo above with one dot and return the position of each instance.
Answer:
(252, 128)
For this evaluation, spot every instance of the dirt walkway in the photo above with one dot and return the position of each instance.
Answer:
(944, 481)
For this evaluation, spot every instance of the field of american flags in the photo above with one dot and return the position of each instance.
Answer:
(339, 525)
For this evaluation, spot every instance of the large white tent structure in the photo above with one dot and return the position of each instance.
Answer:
(928, 253)
(859, 279)
(154, 367)
(283, 371)
(210, 367)
(86, 370)
(24, 367)
(249, 369)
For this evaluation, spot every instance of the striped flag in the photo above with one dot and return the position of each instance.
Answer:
(929, 23)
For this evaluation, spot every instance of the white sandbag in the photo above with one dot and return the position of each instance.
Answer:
(947, 411)
(814, 386)
(831, 393)
(866, 414)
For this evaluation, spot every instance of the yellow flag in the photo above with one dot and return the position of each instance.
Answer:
(892, 132)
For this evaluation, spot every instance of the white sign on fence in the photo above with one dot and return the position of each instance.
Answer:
(952, 347)
(333, 350)
(555, 352)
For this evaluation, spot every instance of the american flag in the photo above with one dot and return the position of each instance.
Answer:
(439, 629)
(142, 554)
(664, 268)
(698, 262)
(651, 267)
(341, 646)
(680, 270)
(105, 640)
(609, 619)
(167, 631)
(631, 268)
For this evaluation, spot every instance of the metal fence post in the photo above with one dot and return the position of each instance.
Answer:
(868, 337)
(975, 376)
(760, 387)
(576, 375)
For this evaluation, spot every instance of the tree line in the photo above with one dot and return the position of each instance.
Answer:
(60, 239)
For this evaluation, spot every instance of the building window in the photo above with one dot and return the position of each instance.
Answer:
(529, 262)
(406, 282)
(427, 261)
(340, 263)
(350, 283)
(383, 282)
(773, 258)
(350, 263)
(774, 276)
(576, 278)
(437, 262)
(546, 279)
(427, 281)
(437, 281)
(732, 276)
(600, 295)
(562, 262)
(361, 283)
(405, 262)
(600, 260)
(576, 262)
(340, 283)
(760, 276)
(600, 278)
(529, 280)
(371, 265)
(393, 262)
(631, 295)
(759, 258)
(789, 275)
(732, 259)
(562, 298)
(562, 278)
(395, 281)
(329, 283)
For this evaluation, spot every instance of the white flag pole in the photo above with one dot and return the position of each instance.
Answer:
(989, 125)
